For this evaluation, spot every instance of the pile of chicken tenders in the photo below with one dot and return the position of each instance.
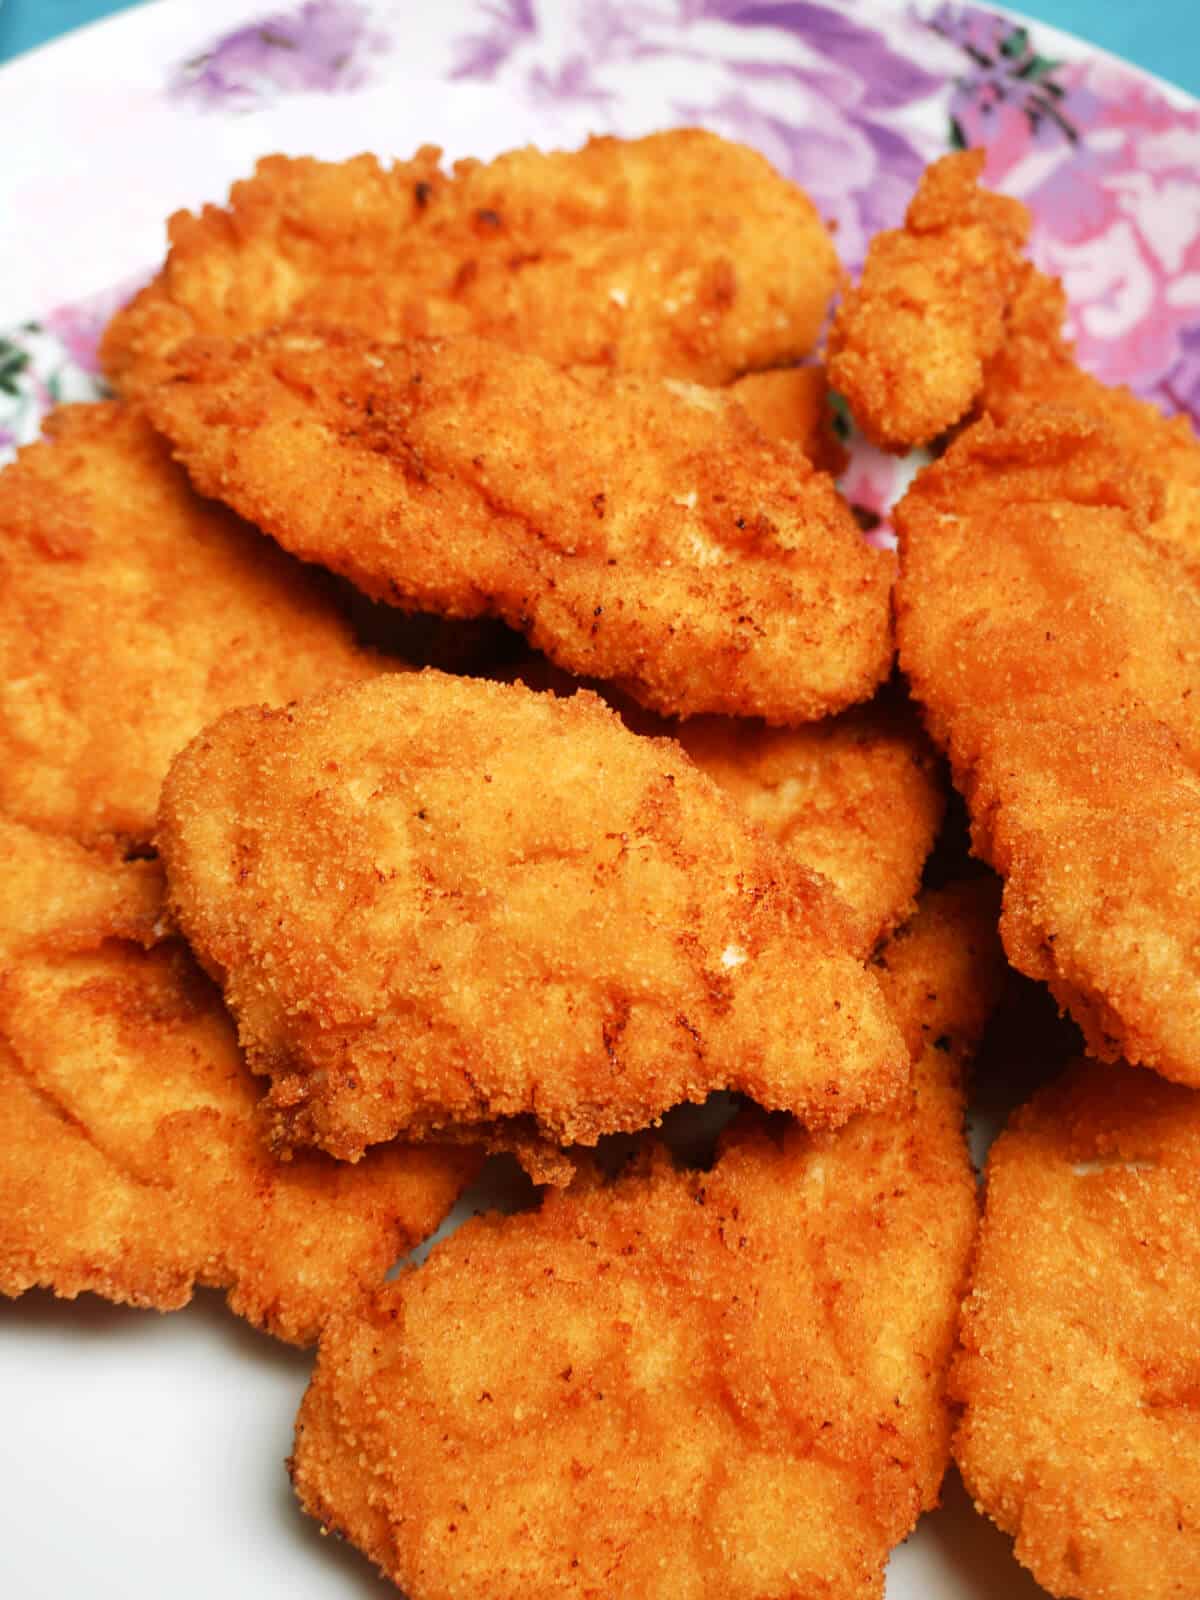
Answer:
(298, 930)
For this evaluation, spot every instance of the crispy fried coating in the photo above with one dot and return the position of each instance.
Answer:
(681, 254)
(908, 345)
(437, 902)
(131, 1164)
(132, 613)
(1054, 640)
(793, 403)
(681, 1383)
(858, 798)
(634, 529)
(1079, 1370)
(1036, 366)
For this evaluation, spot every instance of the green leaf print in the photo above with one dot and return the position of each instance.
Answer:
(13, 362)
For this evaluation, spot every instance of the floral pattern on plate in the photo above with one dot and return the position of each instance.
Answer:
(323, 46)
(850, 100)
(1109, 167)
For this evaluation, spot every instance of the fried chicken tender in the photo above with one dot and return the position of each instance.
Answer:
(1054, 640)
(679, 1383)
(793, 403)
(131, 1164)
(637, 530)
(1036, 366)
(680, 254)
(1079, 1372)
(132, 613)
(908, 345)
(858, 798)
(439, 902)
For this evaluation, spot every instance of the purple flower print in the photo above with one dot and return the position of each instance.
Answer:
(79, 327)
(1007, 90)
(887, 79)
(320, 47)
(481, 55)
(1181, 387)
(572, 81)
(818, 92)
(1108, 168)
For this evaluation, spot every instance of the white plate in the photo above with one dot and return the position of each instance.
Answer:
(143, 1455)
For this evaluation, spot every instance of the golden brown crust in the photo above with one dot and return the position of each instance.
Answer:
(793, 403)
(680, 254)
(634, 529)
(1054, 640)
(744, 1367)
(942, 972)
(131, 1165)
(131, 613)
(433, 901)
(858, 798)
(1078, 1369)
(1036, 366)
(59, 896)
(908, 345)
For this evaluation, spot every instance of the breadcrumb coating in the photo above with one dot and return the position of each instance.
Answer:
(1053, 637)
(1079, 1375)
(794, 403)
(634, 529)
(1036, 366)
(858, 798)
(435, 902)
(132, 1165)
(681, 254)
(131, 613)
(679, 1383)
(908, 346)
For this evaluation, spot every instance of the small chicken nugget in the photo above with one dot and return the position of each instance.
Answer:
(679, 1383)
(1079, 1372)
(908, 345)
(681, 254)
(132, 613)
(131, 1164)
(1053, 638)
(439, 902)
(634, 529)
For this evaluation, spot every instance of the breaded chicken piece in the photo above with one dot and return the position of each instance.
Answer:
(634, 529)
(132, 613)
(1080, 1371)
(435, 902)
(681, 254)
(1036, 366)
(793, 403)
(908, 345)
(1054, 640)
(131, 1164)
(679, 1383)
(858, 798)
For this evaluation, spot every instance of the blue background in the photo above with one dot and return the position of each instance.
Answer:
(1163, 35)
